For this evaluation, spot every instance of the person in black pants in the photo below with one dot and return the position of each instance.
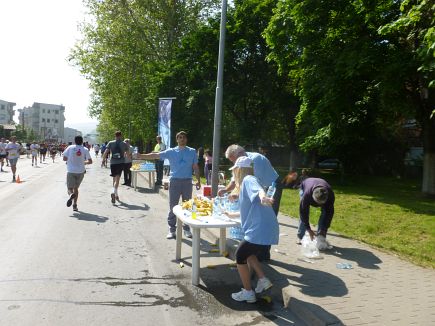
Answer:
(128, 161)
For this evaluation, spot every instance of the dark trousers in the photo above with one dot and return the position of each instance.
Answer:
(127, 173)
(159, 171)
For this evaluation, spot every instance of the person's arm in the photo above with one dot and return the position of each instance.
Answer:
(228, 189)
(304, 213)
(197, 175)
(150, 156)
(106, 153)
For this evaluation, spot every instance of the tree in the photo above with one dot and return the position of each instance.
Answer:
(413, 34)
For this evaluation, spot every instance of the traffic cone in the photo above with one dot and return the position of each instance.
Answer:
(18, 179)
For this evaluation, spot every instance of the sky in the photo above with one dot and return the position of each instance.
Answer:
(35, 40)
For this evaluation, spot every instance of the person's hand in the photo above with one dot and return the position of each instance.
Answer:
(264, 200)
(311, 233)
(233, 197)
(198, 185)
(221, 192)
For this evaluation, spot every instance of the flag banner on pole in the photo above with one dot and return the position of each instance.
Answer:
(165, 106)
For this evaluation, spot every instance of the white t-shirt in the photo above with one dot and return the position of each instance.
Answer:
(34, 149)
(77, 155)
(13, 150)
(96, 148)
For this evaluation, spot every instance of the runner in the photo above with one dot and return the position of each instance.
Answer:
(76, 157)
(2, 153)
(53, 151)
(118, 150)
(42, 152)
(13, 150)
(34, 149)
(96, 149)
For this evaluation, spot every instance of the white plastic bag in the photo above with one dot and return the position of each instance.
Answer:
(309, 248)
(322, 243)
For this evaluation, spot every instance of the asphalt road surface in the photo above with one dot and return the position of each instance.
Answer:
(106, 264)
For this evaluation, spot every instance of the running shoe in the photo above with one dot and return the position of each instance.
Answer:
(75, 209)
(263, 284)
(112, 196)
(70, 200)
(244, 295)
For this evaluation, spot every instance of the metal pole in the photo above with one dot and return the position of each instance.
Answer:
(218, 102)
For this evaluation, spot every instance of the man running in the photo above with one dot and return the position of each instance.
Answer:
(34, 149)
(2, 153)
(118, 150)
(96, 149)
(13, 150)
(76, 157)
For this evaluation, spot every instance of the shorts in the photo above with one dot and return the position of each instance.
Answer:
(73, 180)
(13, 161)
(247, 249)
(116, 169)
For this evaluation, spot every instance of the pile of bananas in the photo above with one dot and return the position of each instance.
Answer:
(135, 167)
(203, 206)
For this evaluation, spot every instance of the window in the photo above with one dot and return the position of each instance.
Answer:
(56, 112)
(48, 111)
(43, 110)
(43, 120)
(48, 120)
(56, 121)
(3, 106)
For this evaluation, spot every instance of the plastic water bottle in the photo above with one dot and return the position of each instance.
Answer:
(216, 207)
(193, 211)
(135, 151)
(271, 190)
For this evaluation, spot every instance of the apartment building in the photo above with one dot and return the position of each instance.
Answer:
(46, 120)
(7, 112)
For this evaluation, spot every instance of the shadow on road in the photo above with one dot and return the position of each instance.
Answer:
(363, 258)
(82, 216)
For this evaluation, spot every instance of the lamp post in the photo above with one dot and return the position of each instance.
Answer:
(218, 101)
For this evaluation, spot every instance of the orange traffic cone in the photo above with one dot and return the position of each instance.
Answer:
(18, 179)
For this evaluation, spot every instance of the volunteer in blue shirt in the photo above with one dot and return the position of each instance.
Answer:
(183, 160)
(259, 224)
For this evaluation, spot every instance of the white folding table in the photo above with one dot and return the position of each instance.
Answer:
(201, 222)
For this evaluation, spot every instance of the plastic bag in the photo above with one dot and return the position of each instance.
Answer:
(322, 243)
(309, 248)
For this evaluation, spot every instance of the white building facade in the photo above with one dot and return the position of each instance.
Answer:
(46, 120)
(7, 112)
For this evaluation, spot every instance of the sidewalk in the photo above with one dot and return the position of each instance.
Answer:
(380, 289)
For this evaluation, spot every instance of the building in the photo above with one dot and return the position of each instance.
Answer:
(69, 134)
(7, 124)
(46, 120)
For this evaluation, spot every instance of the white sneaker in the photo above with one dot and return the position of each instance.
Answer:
(263, 284)
(248, 296)
(188, 234)
(171, 235)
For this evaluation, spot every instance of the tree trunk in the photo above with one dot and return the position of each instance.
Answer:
(428, 187)
(428, 184)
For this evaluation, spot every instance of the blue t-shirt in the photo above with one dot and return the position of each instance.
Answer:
(263, 170)
(181, 161)
(259, 222)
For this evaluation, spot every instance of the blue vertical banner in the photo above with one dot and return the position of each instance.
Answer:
(165, 106)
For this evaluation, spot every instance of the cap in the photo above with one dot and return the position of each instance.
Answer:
(242, 162)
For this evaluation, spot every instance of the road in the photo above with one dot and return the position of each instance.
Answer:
(106, 264)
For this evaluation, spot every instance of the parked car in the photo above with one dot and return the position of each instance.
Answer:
(330, 163)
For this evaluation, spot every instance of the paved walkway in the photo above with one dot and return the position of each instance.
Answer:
(380, 289)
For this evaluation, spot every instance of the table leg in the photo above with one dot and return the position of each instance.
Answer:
(135, 180)
(149, 179)
(196, 235)
(222, 240)
(179, 239)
